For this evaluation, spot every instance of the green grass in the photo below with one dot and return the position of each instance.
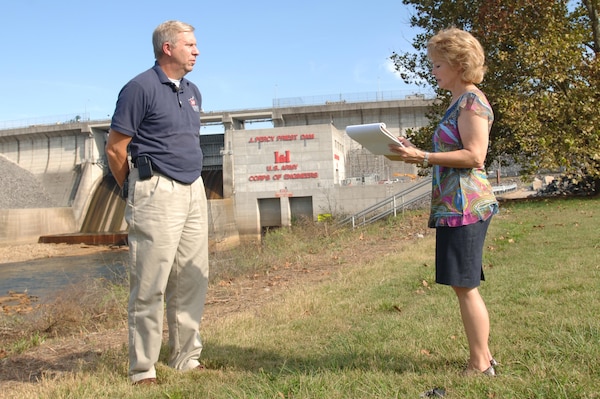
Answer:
(384, 329)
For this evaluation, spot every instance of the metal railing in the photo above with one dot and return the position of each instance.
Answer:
(399, 202)
(391, 205)
(504, 188)
(343, 98)
(45, 120)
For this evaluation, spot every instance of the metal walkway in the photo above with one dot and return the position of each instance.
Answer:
(391, 205)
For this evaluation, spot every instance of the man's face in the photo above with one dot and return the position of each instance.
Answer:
(184, 51)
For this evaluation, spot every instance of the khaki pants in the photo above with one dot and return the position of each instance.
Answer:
(168, 248)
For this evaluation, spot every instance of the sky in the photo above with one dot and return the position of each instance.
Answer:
(64, 58)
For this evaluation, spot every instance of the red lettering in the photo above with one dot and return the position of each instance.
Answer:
(309, 136)
(287, 137)
(261, 139)
(305, 175)
(259, 178)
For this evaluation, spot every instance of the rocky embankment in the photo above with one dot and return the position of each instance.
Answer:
(19, 189)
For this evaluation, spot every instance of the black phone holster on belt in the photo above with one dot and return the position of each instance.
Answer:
(144, 166)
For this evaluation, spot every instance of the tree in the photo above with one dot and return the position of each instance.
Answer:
(542, 81)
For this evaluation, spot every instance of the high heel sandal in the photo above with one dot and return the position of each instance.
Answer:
(489, 372)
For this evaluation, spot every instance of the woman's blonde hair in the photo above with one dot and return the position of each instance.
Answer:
(461, 50)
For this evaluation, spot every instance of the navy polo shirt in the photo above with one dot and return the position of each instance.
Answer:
(163, 122)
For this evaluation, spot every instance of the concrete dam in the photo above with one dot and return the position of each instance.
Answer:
(301, 165)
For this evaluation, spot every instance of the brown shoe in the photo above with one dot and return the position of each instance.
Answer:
(146, 381)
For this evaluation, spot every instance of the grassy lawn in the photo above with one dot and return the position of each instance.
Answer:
(379, 327)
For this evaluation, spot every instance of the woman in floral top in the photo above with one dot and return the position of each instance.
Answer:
(462, 202)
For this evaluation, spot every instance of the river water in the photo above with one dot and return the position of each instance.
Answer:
(44, 278)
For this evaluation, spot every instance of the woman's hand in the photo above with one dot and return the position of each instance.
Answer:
(407, 151)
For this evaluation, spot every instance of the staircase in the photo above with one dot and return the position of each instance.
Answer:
(392, 205)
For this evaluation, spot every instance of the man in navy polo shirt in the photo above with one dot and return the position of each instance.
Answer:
(157, 122)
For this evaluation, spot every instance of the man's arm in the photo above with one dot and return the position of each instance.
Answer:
(116, 152)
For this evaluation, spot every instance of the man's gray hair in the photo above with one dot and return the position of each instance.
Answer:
(167, 32)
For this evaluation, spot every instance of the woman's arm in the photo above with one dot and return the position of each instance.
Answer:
(475, 138)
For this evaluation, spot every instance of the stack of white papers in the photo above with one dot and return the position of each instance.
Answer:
(375, 138)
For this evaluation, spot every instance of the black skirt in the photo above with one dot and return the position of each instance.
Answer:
(459, 254)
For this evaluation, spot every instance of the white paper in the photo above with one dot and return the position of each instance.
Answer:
(375, 138)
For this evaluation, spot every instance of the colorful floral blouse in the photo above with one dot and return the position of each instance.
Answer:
(460, 196)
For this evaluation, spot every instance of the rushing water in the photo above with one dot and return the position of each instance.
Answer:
(44, 278)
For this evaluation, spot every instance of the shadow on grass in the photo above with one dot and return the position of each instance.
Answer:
(31, 369)
(270, 362)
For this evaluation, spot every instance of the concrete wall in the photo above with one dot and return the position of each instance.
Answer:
(222, 229)
(275, 166)
(25, 226)
(269, 160)
(339, 201)
(228, 224)
(279, 163)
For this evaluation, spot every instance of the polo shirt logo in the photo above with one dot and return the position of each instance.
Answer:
(194, 104)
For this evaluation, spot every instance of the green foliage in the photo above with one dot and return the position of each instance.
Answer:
(542, 80)
(25, 343)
